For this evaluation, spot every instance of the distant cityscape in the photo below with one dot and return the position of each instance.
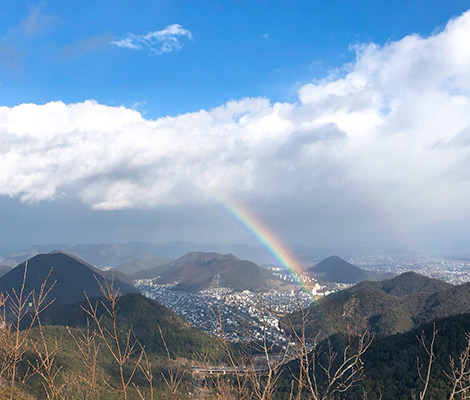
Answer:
(453, 271)
(241, 314)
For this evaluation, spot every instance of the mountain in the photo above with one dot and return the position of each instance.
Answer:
(390, 363)
(335, 269)
(198, 271)
(387, 307)
(8, 262)
(100, 254)
(114, 254)
(4, 269)
(408, 283)
(73, 275)
(132, 267)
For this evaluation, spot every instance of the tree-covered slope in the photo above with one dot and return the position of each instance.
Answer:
(144, 316)
(391, 362)
(385, 307)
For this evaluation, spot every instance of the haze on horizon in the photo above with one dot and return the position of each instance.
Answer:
(339, 127)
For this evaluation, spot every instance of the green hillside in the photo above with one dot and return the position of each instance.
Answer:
(391, 362)
(387, 307)
(136, 313)
(144, 316)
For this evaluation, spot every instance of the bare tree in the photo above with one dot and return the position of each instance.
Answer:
(226, 389)
(264, 377)
(89, 348)
(14, 330)
(429, 349)
(460, 374)
(125, 351)
(323, 372)
(173, 377)
(45, 365)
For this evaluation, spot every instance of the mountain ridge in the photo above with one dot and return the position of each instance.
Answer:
(386, 307)
(200, 270)
(72, 275)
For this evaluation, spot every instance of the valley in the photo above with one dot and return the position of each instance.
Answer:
(222, 316)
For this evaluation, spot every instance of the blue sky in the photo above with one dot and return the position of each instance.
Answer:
(339, 124)
(239, 48)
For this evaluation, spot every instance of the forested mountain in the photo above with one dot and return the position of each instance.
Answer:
(386, 307)
(391, 362)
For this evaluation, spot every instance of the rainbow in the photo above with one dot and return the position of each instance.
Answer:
(268, 239)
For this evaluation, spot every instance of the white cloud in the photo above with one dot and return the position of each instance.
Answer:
(37, 22)
(158, 42)
(390, 134)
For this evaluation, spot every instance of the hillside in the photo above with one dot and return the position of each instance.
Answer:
(199, 270)
(73, 276)
(408, 283)
(144, 316)
(387, 307)
(335, 269)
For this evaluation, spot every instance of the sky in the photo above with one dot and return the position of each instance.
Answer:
(339, 124)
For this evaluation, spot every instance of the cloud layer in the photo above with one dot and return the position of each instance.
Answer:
(389, 133)
(158, 42)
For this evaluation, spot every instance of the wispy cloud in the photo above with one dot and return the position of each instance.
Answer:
(37, 22)
(16, 41)
(157, 42)
(85, 46)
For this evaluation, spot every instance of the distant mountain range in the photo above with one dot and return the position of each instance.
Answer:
(198, 271)
(387, 307)
(73, 277)
(115, 254)
(132, 267)
(335, 269)
(4, 269)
